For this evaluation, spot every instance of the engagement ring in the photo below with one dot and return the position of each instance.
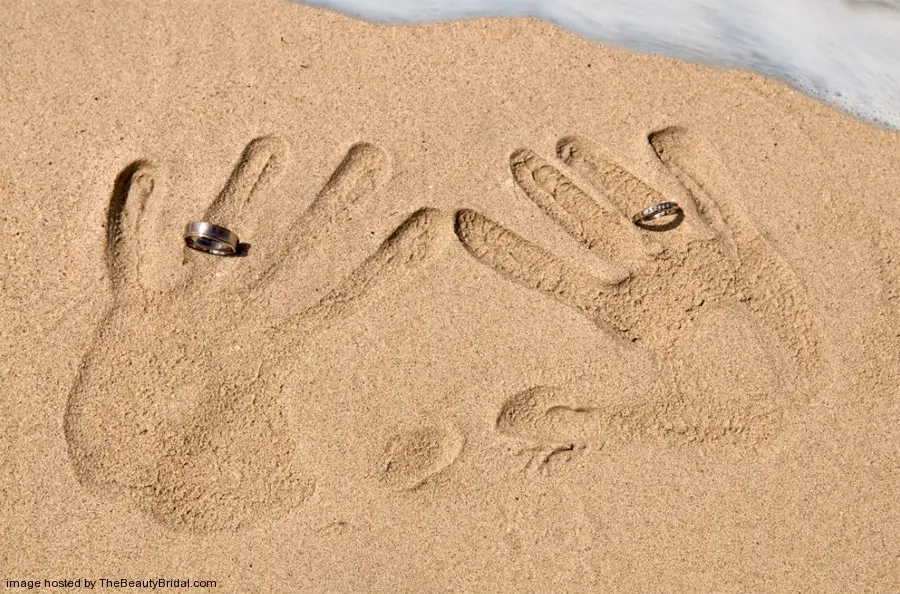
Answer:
(657, 211)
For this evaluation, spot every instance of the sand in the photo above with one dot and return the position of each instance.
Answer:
(842, 52)
(447, 361)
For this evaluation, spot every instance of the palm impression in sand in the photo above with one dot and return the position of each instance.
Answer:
(703, 307)
(179, 406)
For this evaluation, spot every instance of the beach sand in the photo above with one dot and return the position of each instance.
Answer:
(447, 361)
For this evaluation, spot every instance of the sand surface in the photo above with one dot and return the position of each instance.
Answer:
(447, 361)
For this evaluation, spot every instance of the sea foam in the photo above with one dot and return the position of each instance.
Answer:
(843, 52)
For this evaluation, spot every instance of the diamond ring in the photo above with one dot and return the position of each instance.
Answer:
(657, 211)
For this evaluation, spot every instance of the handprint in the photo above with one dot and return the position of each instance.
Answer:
(709, 304)
(180, 404)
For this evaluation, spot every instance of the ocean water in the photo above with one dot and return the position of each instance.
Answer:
(843, 52)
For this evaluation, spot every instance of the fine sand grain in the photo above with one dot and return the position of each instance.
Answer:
(446, 360)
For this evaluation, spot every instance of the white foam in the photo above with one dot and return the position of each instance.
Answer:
(844, 52)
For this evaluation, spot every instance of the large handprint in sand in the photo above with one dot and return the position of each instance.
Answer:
(198, 435)
(700, 308)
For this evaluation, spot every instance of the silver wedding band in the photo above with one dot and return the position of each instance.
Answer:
(209, 238)
(657, 211)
